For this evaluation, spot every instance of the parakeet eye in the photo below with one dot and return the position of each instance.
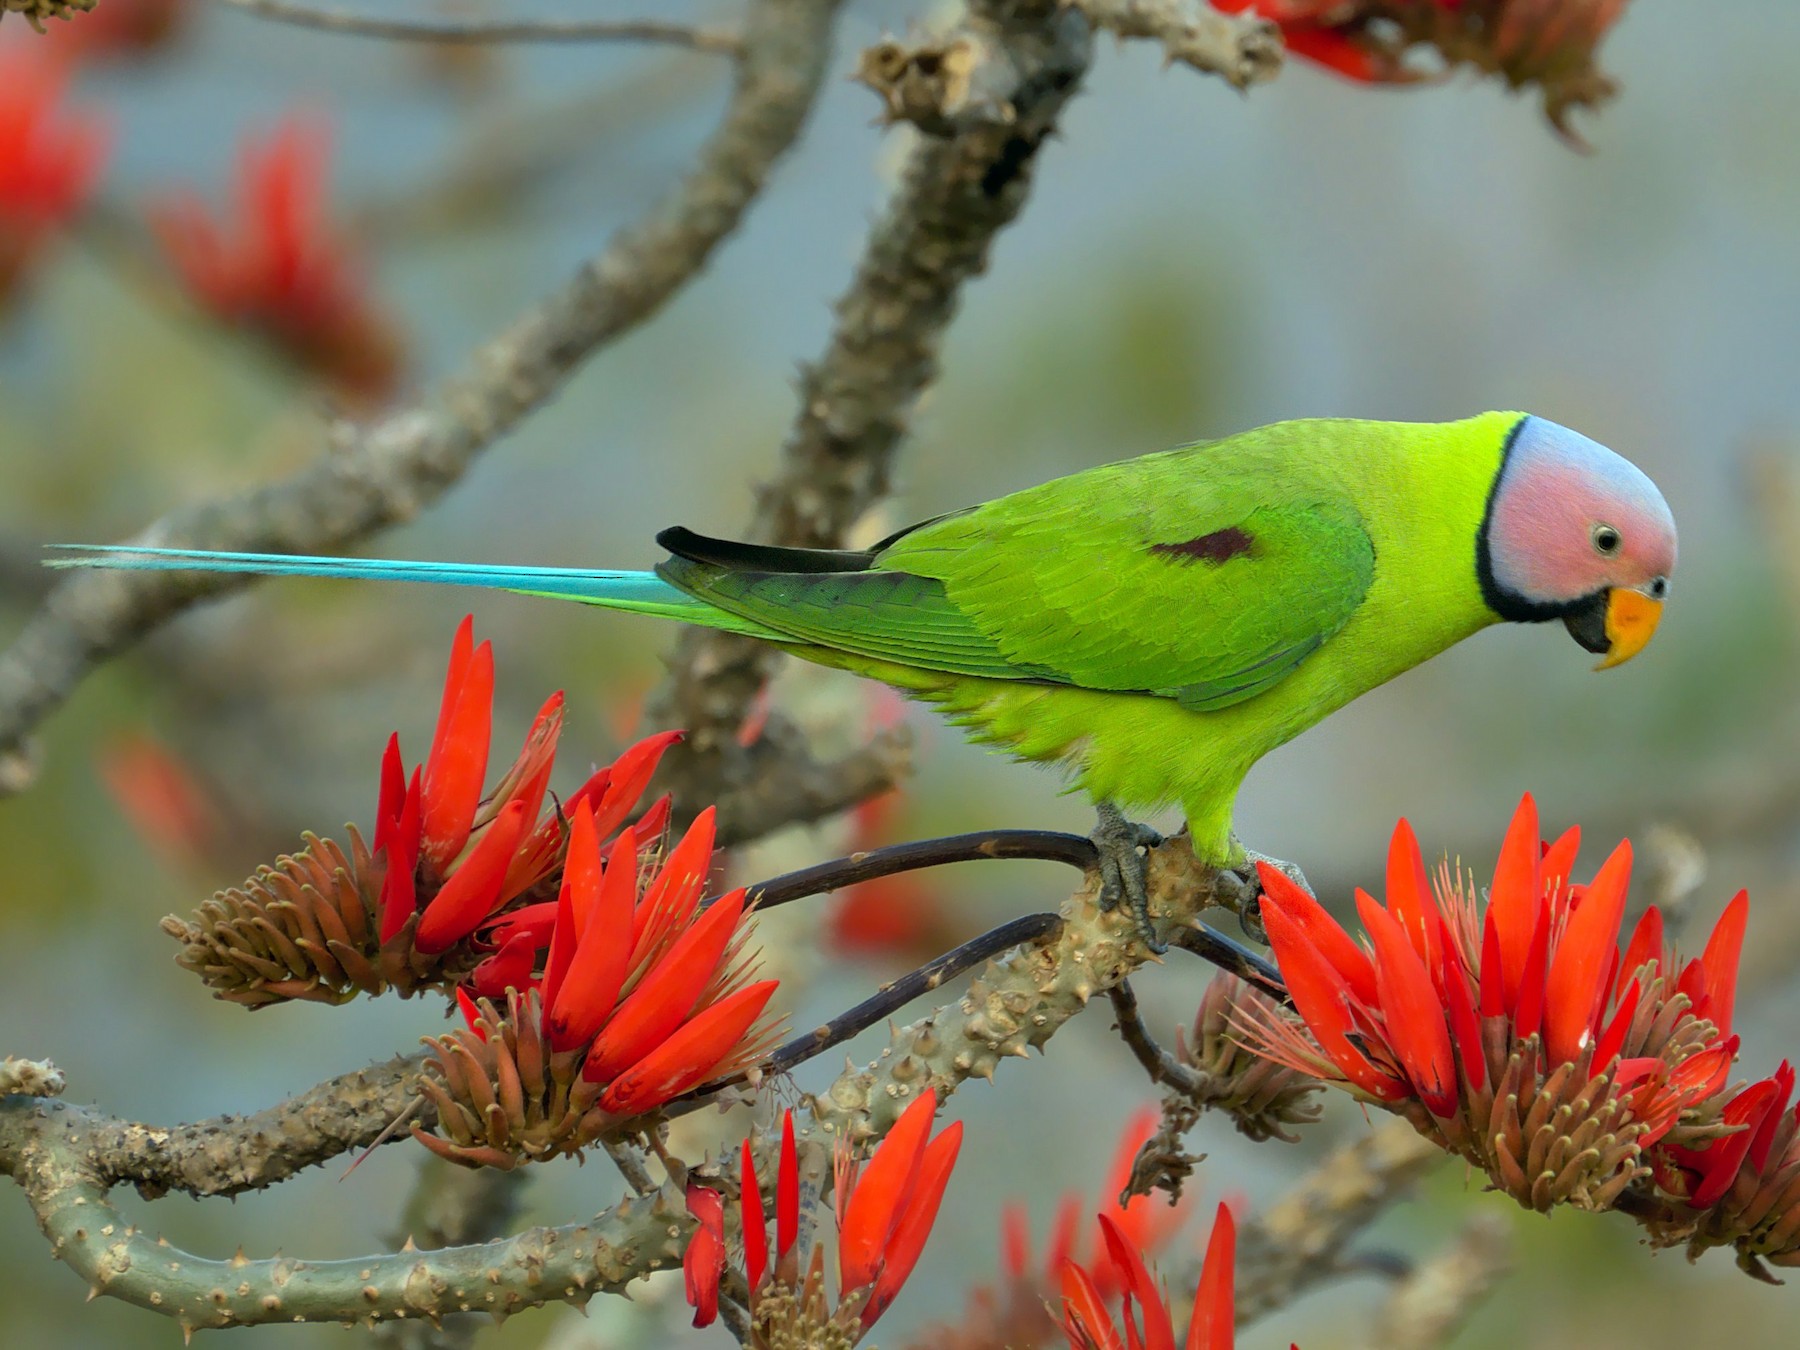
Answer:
(1659, 588)
(1606, 540)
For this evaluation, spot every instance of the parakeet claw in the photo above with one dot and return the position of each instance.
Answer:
(1247, 903)
(1123, 870)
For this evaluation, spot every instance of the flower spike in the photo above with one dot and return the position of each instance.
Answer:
(1516, 1036)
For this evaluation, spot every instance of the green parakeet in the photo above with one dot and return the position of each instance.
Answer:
(1159, 624)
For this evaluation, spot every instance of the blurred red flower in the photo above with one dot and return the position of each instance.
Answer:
(885, 1210)
(1548, 43)
(282, 271)
(173, 812)
(50, 159)
(1519, 1037)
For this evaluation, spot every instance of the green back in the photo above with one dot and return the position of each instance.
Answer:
(1206, 574)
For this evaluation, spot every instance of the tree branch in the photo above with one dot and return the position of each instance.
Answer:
(884, 1003)
(821, 878)
(226, 1155)
(1243, 49)
(451, 1206)
(493, 30)
(373, 477)
(1020, 1000)
(956, 194)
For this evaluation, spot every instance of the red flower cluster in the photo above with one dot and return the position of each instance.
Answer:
(281, 271)
(885, 1210)
(1089, 1326)
(619, 994)
(1550, 43)
(50, 159)
(1741, 1190)
(1481, 1026)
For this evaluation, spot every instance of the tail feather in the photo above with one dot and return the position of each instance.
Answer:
(639, 592)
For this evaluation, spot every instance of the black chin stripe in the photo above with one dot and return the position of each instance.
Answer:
(1509, 605)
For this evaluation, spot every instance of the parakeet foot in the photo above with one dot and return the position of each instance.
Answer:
(1123, 869)
(1247, 903)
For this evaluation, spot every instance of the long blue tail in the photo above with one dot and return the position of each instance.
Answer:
(639, 592)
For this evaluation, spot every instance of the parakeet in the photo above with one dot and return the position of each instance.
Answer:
(1159, 624)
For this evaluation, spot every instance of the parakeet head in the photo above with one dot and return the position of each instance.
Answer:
(1574, 532)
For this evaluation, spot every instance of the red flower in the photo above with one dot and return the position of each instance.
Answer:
(281, 271)
(454, 856)
(1550, 43)
(50, 159)
(885, 1211)
(1089, 1326)
(1467, 1023)
(1742, 1189)
(644, 996)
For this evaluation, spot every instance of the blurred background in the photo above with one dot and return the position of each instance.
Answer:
(1192, 262)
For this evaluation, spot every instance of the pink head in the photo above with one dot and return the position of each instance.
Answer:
(1574, 532)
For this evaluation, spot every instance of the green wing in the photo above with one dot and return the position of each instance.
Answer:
(1173, 574)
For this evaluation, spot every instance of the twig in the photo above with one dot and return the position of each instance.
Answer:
(1244, 49)
(375, 476)
(1164, 1069)
(539, 1266)
(630, 1166)
(1211, 945)
(1019, 1001)
(1074, 849)
(955, 195)
(889, 1000)
(780, 782)
(493, 30)
(226, 1155)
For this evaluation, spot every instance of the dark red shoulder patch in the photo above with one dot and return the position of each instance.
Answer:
(1217, 547)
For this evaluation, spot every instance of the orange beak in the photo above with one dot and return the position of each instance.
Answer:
(1631, 619)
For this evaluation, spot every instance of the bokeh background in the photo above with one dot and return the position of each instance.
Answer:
(1192, 262)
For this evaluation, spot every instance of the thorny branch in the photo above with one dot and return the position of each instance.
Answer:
(451, 1207)
(1241, 48)
(494, 30)
(375, 476)
(67, 1158)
